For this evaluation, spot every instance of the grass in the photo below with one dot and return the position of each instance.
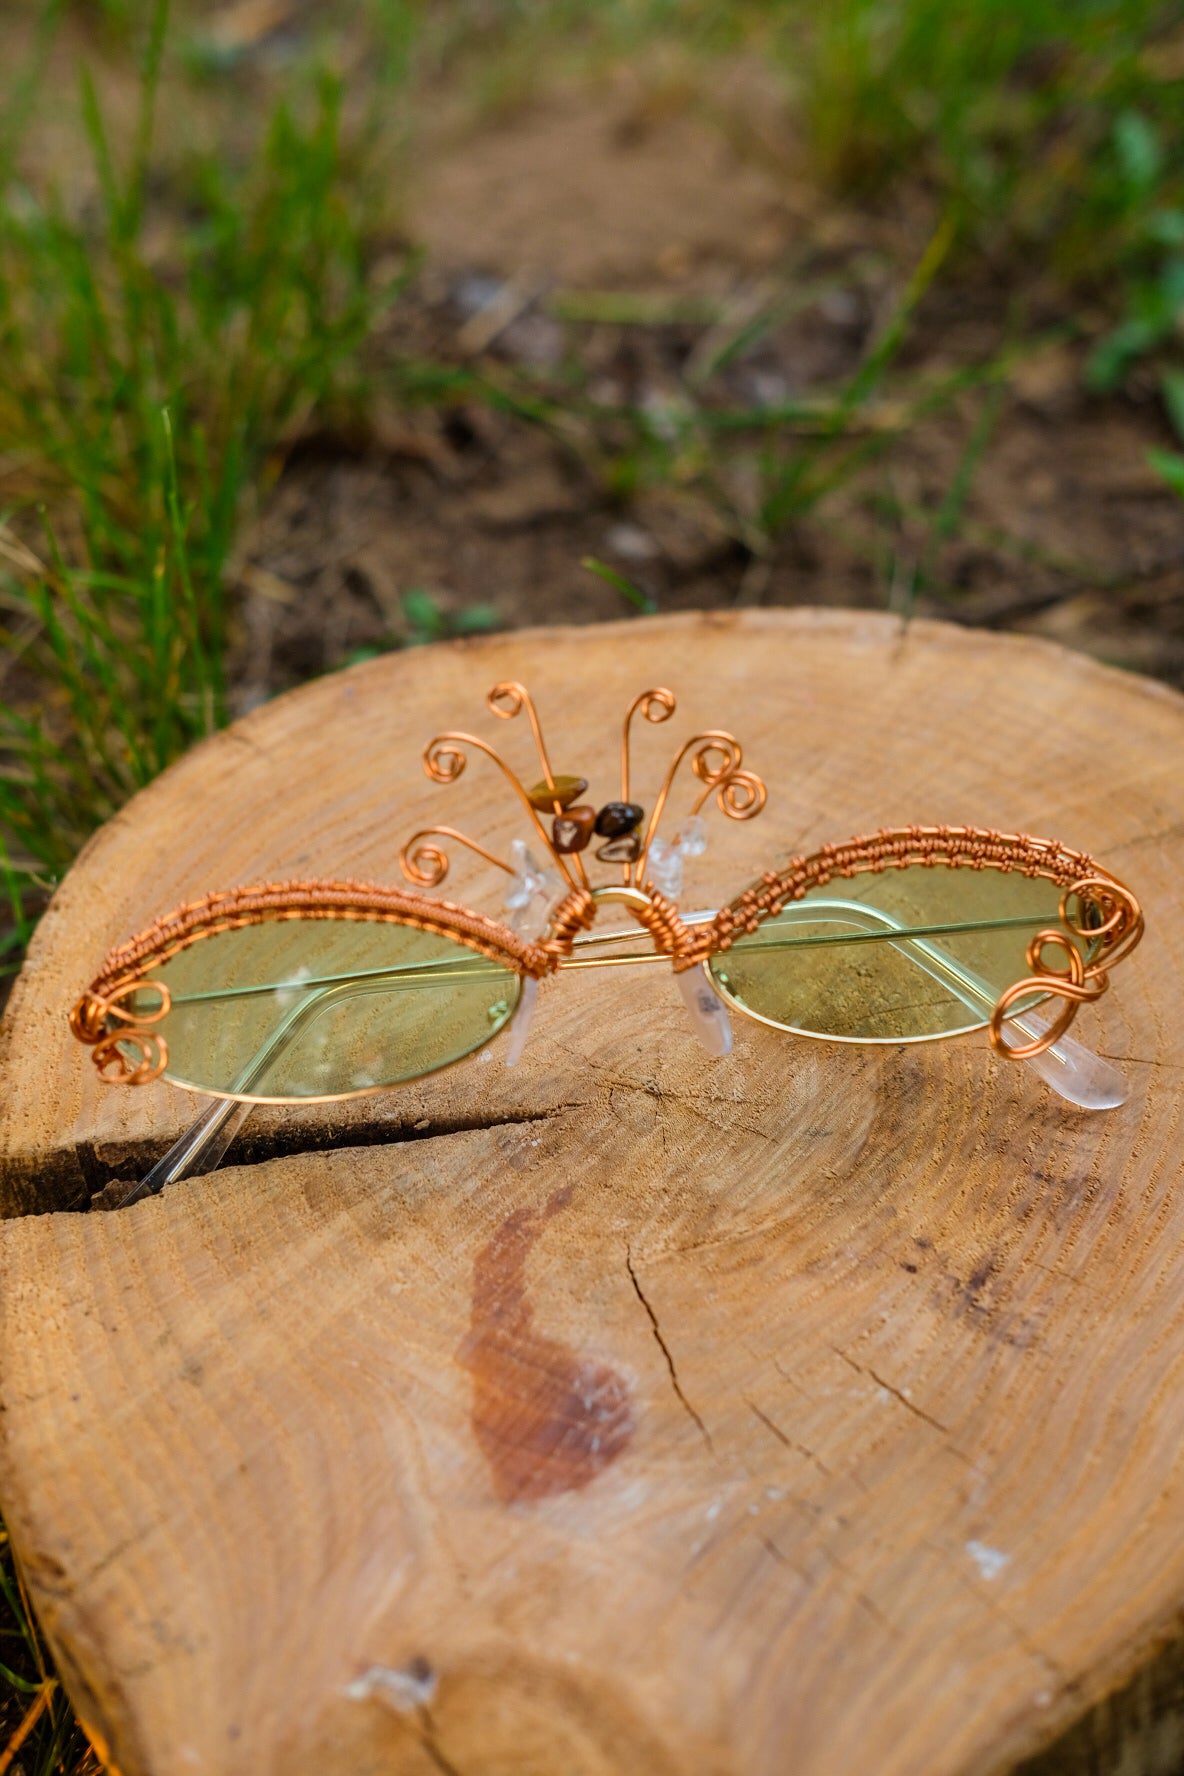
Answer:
(152, 371)
(147, 385)
(1048, 128)
(163, 339)
(38, 1732)
(213, 280)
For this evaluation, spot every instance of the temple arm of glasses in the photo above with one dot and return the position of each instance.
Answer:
(202, 1146)
(1075, 1072)
(200, 1149)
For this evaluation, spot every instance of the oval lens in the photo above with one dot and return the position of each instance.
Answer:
(311, 1008)
(898, 956)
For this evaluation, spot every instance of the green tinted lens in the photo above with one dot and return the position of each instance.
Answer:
(898, 956)
(305, 1008)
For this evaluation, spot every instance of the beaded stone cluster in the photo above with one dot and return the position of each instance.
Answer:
(618, 823)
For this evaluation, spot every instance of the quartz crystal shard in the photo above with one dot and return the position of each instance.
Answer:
(664, 865)
(664, 868)
(533, 893)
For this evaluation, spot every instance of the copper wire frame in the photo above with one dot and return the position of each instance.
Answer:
(1095, 908)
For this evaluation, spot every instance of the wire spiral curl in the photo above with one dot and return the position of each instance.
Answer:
(716, 763)
(717, 759)
(445, 758)
(1078, 983)
(1070, 984)
(738, 793)
(91, 1016)
(655, 705)
(426, 865)
(443, 761)
(1122, 923)
(508, 699)
(743, 796)
(110, 1057)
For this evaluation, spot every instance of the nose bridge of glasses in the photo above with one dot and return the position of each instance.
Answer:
(707, 1012)
(637, 902)
(621, 894)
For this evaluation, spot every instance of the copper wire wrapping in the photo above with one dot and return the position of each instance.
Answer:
(575, 913)
(1095, 908)
(662, 920)
(957, 847)
(124, 970)
(1118, 930)
(1079, 982)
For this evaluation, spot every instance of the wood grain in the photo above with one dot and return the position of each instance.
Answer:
(818, 1410)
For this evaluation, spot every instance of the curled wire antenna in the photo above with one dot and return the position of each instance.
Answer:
(717, 759)
(656, 705)
(426, 865)
(716, 762)
(444, 760)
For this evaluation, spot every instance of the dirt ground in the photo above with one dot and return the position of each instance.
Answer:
(693, 210)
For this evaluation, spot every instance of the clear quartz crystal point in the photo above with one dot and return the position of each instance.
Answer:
(666, 860)
(691, 837)
(664, 868)
(522, 1020)
(533, 893)
(709, 1014)
(1072, 1070)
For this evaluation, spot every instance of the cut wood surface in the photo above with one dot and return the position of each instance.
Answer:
(815, 1411)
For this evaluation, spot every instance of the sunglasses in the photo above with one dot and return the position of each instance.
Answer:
(318, 991)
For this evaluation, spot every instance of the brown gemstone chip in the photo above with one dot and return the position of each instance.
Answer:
(571, 830)
(618, 818)
(626, 849)
(564, 790)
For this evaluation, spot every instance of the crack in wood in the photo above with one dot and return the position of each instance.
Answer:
(429, 1739)
(259, 1148)
(897, 1394)
(781, 1436)
(665, 1350)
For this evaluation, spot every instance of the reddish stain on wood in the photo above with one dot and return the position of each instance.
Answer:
(547, 1419)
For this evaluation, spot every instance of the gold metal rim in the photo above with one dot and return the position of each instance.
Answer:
(363, 1091)
(824, 1036)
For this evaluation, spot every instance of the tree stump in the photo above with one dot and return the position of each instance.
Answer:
(818, 1410)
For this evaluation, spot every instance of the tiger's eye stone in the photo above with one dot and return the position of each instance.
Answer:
(618, 818)
(626, 849)
(571, 830)
(566, 791)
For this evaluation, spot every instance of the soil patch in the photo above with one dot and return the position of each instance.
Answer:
(605, 242)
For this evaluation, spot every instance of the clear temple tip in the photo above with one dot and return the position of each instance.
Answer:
(1075, 1072)
(709, 1014)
